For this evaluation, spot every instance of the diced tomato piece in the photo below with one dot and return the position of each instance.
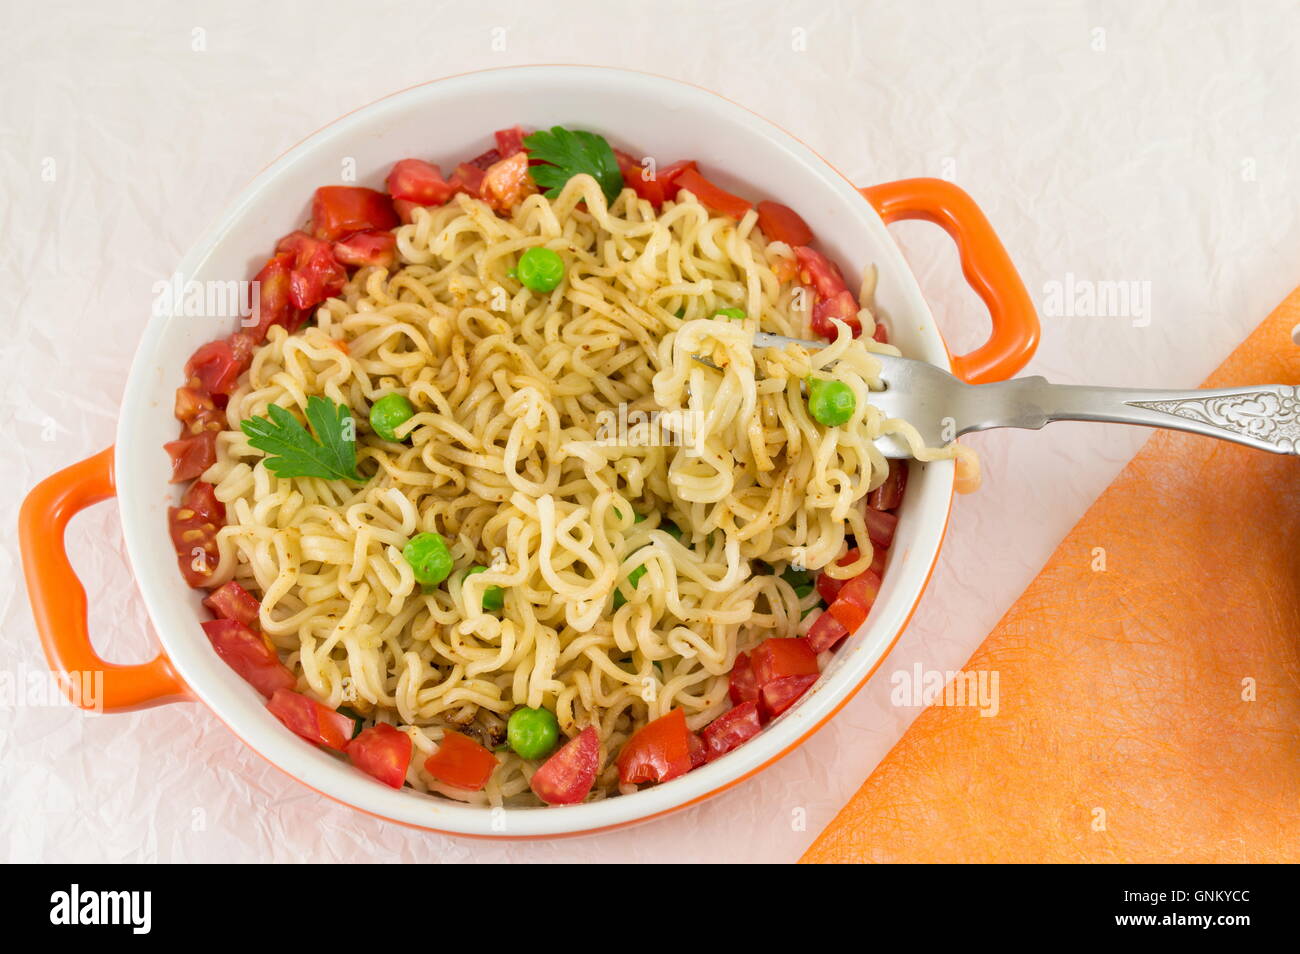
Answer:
(567, 776)
(316, 274)
(880, 526)
(468, 178)
(232, 601)
(825, 632)
(311, 720)
(657, 752)
(461, 762)
(510, 141)
(338, 211)
(658, 188)
(834, 300)
(843, 307)
(699, 752)
(712, 196)
(248, 653)
(507, 182)
(780, 223)
(367, 248)
(819, 272)
(484, 160)
(382, 751)
(192, 455)
(415, 180)
(878, 556)
(881, 334)
(890, 494)
(827, 587)
(214, 368)
(855, 600)
(193, 527)
(781, 694)
(743, 686)
(738, 724)
(273, 304)
(779, 657)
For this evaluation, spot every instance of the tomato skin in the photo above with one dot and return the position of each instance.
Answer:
(193, 527)
(699, 751)
(414, 180)
(232, 601)
(880, 526)
(825, 632)
(338, 211)
(781, 694)
(247, 652)
(881, 334)
(507, 182)
(780, 223)
(743, 686)
(889, 495)
(659, 751)
(567, 776)
(779, 657)
(855, 600)
(713, 197)
(509, 141)
(192, 455)
(316, 274)
(310, 720)
(461, 762)
(735, 726)
(370, 247)
(382, 752)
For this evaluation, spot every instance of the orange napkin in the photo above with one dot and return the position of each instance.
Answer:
(1149, 711)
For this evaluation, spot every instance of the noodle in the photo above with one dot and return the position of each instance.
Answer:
(556, 436)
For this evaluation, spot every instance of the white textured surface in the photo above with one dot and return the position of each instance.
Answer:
(1154, 146)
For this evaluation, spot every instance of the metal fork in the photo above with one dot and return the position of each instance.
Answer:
(942, 407)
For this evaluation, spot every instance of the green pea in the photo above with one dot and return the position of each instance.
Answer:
(429, 558)
(540, 269)
(634, 578)
(830, 402)
(735, 314)
(388, 414)
(494, 597)
(532, 733)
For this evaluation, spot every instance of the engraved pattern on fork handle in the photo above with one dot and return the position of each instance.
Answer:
(1271, 415)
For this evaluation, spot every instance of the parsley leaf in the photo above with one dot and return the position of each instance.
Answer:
(329, 451)
(569, 153)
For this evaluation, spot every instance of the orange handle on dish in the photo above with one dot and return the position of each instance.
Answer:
(984, 262)
(59, 599)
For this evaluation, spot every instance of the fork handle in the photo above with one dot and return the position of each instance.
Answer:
(1266, 417)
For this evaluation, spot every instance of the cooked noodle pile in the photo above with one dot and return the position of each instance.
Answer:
(556, 439)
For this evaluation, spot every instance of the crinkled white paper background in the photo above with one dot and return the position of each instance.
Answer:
(1155, 145)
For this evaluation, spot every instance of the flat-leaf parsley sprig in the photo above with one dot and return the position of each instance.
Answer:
(566, 153)
(328, 451)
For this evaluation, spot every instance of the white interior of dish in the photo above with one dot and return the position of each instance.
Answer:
(448, 121)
